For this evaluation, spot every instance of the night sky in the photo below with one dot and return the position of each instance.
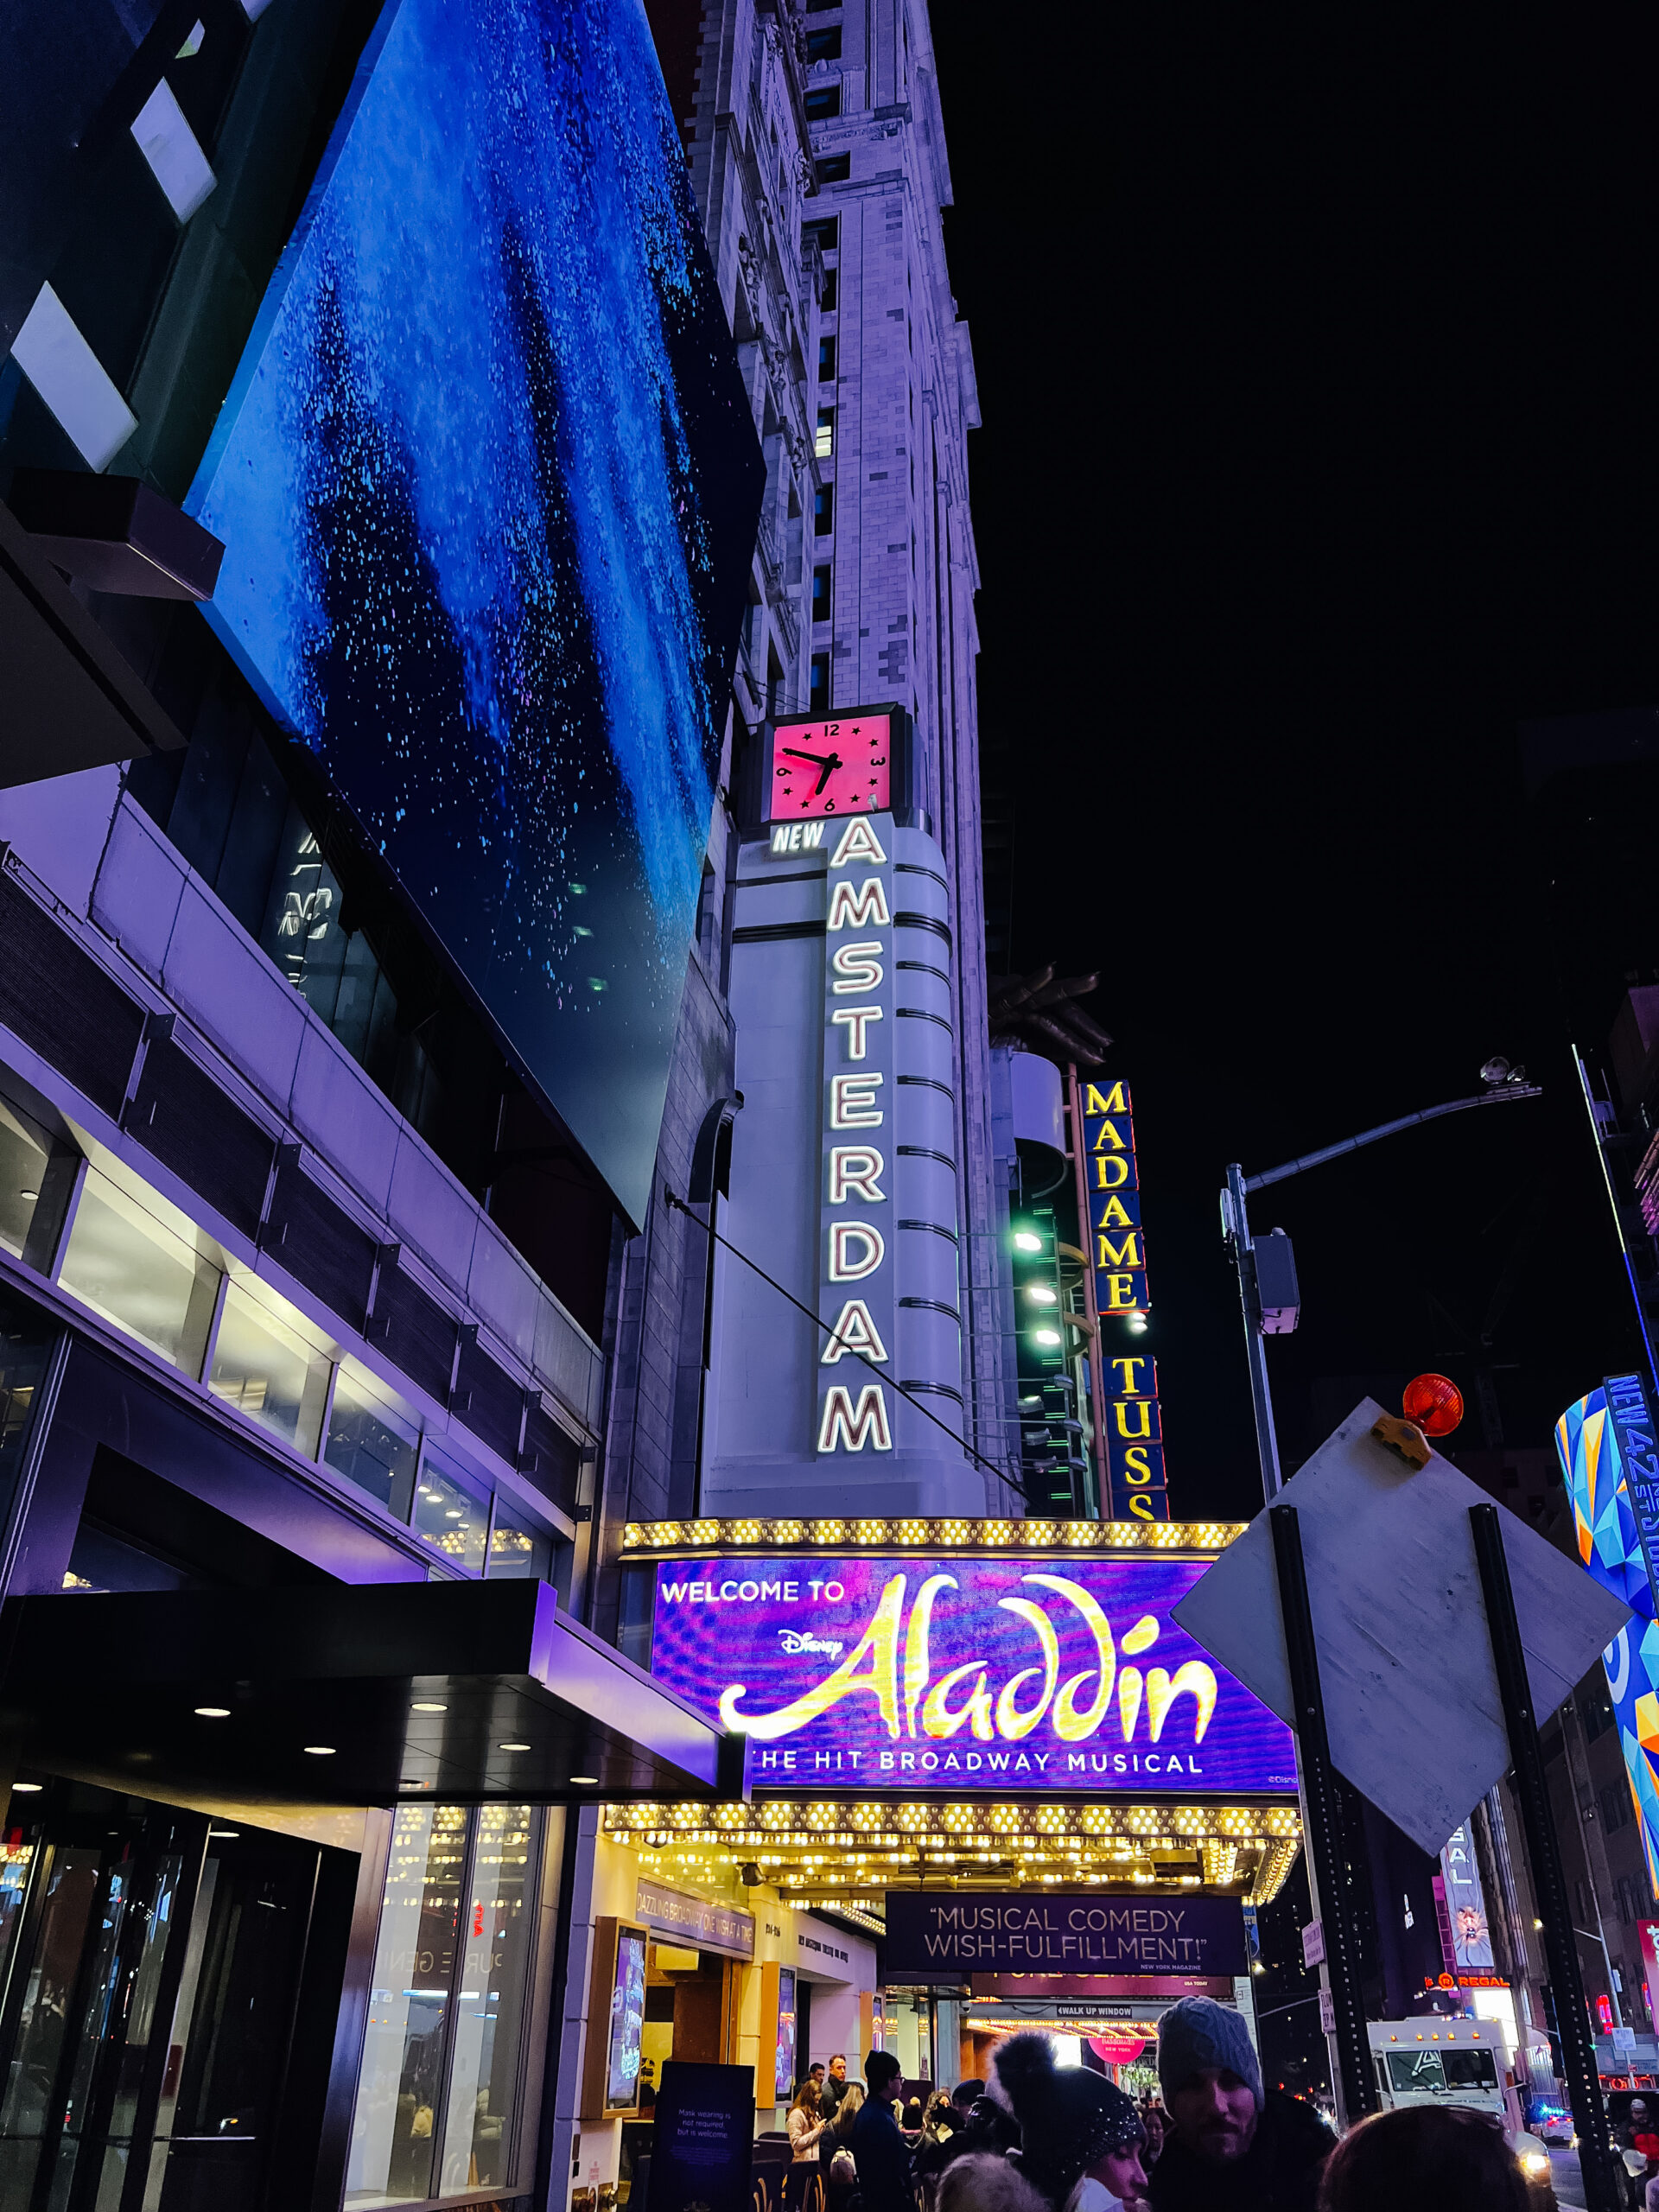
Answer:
(1319, 380)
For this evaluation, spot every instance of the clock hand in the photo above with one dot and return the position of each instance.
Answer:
(829, 766)
(816, 759)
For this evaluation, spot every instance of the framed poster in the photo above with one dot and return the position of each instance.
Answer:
(784, 2065)
(616, 2020)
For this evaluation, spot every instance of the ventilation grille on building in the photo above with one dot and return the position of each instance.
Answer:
(414, 1331)
(182, 1116)
(320, 1244)
(61, 1004)
(551, 1458)
(488, 1402)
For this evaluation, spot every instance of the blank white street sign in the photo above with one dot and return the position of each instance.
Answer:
(1411, 1699)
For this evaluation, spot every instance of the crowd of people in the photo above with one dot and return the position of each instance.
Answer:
(1039, 2137)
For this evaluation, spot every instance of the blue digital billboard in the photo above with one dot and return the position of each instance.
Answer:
(488, 482)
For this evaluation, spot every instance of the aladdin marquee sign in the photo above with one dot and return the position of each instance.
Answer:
(1052, 1675)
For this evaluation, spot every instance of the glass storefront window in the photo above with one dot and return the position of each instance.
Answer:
(128, 1266)
(371, 1442)
(438, 2098)
(394, 2133)
(517, 1549)
(27, 1338)
(481, 2107)
(452, 1518)
(72, 1886)
(268, 1365)
(37, 1177)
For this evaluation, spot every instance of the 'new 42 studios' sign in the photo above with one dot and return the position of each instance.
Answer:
(1054, 1674)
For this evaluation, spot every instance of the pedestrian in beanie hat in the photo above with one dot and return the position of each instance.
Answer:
(1230, 2143)
(1197, 2034)
(1080, 2136)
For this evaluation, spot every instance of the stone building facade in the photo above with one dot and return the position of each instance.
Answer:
(816, 143)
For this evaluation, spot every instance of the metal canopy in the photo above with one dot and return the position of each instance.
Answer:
(108, 1688)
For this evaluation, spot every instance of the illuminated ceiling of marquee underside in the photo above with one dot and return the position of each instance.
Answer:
(841, 1856)
(642, 1539)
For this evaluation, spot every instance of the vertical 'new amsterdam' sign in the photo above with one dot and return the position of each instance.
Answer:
(855, 1289)
(1134, 1428)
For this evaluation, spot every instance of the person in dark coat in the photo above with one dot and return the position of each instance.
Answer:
(1229, 2142)
(833, 2088)
(984, 2129)
(1080, 2135)
(879, 2152)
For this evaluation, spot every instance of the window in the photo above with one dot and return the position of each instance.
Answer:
(821, 594)
(1417, 2070)
(1469, 2069)
(835, 168)
(824, 233)
(451, 1515)
(1615, 1802)
(1596, 1712)
(371, 1442)
(517, 1549)
(827, 296)
(823, 102)
(823, 46)
(37, 1174)
(127, 1264)
(490, 2012)
(269, 1366)
(823, 511)
(818, 700)
(826, 361)
(823, 445)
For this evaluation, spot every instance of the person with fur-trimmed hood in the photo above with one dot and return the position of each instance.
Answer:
(1080, 2136)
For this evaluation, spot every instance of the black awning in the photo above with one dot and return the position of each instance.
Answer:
(322, 1689)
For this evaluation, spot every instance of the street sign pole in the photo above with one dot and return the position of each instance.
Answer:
(1342, 2013)
(1236, 1215)
(1602, 2187)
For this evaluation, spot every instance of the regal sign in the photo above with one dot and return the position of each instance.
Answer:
(894, 1673)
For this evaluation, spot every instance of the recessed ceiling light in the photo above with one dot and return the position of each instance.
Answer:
(428, 1705)
(453, 1514)
(586, 1781)
(28, 1194)
(318, 1751)
(515, 1747)
(213, 1711)
(28, 1788)
(222, 1835)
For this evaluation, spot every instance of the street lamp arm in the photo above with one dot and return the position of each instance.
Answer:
(1499, 1094)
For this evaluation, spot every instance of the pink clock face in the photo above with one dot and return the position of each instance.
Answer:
(831, 767)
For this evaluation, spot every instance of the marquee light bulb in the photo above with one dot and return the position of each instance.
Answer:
(1024, 1241)
(1044, 1336)
(1040, 1294)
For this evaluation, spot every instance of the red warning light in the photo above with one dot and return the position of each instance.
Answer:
(1434, 1402)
